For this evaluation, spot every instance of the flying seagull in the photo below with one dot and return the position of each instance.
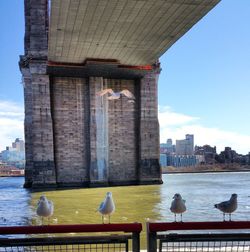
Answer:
(45, 208)
(116, 95)
(107, 207)
(178, 206)
(227, 207)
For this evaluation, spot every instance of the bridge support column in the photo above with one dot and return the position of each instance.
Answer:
(149, 167)
(40, 167)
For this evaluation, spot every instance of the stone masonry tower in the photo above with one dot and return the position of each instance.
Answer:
(73, 50)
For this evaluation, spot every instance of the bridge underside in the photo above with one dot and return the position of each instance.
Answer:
(74, 49)
(133, 32)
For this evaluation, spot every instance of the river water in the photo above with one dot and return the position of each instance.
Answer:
(133, 203)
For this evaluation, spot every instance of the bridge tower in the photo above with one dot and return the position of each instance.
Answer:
(74, 49)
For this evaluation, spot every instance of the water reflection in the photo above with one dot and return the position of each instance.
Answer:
(133, 203)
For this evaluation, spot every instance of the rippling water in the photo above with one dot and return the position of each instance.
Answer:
(133, 203)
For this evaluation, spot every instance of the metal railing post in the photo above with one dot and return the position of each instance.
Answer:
(136, 242)
(151, 240)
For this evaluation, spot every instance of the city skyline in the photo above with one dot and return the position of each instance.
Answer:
(203, 87)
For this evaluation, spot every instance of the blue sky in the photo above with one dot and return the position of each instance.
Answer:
(204, 86)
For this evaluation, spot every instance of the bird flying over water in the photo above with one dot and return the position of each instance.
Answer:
(227, 207)
(107, 207)
(178, 206)
(45, 208)
(116, 95)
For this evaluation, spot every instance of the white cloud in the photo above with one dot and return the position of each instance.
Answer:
(170, 118)
(11, 123)
(172, 125)
(176, 126)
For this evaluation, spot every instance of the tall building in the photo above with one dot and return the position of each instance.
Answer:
(18, 145)
(163, 160)
(14, 155)
(167, 147)
(185, 146)
(169, 142)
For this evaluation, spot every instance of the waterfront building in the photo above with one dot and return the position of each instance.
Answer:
(200, 159)
(169, 142)
(207, 151)
(167, 147)
(181, 160)
(14, 155)
(163, 159)
(18, 145)
(248, 158)
(229, 156)
(185, 146)
(10, 171)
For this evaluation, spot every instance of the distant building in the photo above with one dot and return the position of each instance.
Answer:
(248, 158)
(169, 142)
(208, 152)
(229, 156)
(200, 159)
(167, 147)
(185, 146)
(182, 160)
(18, 145)
(14, 155)
(179, 155)
(163, 160)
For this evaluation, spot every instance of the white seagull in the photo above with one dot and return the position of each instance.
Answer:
(116, 95)
(228, 206)
(45, 208)
(107, 207)
(178, 206)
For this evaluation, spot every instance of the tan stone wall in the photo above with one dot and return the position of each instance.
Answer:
(36, 28)
(40, 169)
(122, 135)
(68, 102)
(119, 119)
(28, 129)
(39, 143)
(149, 129)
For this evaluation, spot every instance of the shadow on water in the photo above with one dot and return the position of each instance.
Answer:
(133, 203)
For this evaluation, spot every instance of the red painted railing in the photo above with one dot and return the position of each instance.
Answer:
(113, 242)
(154, 228)
(164, 226)
(79, 228)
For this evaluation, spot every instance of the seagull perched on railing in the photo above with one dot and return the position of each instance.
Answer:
(45, 208)
(228, 206)
(116, 95)
(178, 206)
(107, 207)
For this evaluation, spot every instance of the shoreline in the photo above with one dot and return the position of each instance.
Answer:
(10, 176)
(208, 171)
